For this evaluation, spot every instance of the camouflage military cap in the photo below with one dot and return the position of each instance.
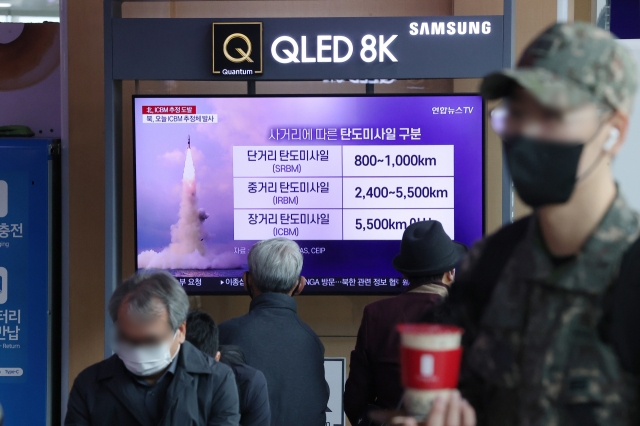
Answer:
(570, 65)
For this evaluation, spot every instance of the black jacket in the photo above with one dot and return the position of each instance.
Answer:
(472, 293)
(374, 374)
(202, 393)
(252, 388)
(288, 352)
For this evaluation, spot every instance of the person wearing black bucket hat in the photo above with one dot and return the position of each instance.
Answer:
(427, 251)
(428, 259)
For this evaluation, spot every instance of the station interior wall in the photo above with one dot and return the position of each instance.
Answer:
(334, 318)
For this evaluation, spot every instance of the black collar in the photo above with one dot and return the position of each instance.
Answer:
(193, 361)
(190, 360)
(438, 283)
(274, 300)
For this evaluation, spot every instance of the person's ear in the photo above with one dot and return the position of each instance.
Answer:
(620, 128)
(301, 283)
(449, 277)
(182, 333)
(218, 355)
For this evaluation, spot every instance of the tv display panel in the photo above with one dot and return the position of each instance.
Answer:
(341, 175)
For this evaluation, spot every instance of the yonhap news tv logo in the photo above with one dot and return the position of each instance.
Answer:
(237, 48)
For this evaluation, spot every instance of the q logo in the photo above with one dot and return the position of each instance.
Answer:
(237, 48)
(244, 55)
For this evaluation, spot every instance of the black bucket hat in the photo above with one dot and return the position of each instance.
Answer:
(427, 250)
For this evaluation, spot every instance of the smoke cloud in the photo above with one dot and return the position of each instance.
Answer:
(187, 249)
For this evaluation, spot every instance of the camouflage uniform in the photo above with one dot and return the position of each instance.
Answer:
(538, 345)
(537, 350)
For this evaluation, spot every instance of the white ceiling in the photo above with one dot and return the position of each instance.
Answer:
(47, 6)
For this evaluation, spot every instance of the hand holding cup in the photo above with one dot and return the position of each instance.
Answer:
(430, 365)
(455, 411)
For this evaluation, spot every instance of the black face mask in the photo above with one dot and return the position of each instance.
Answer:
(543, 172)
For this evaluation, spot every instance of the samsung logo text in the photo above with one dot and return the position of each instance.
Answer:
(449, 28)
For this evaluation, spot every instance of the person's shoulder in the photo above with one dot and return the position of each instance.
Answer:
(510, 230)
(308, 331)
(254, 380)
(231, 326)
(216, 379)
(218, 371)
(220, 368)
(502, 237)
(233, 322)
(248, 374)
(100, 370)
(399, 300)
(304, 326)
(258, 376)
(193, 358)
(233, 330)
(381, 305)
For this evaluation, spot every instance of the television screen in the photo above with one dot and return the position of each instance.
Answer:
(343, 176)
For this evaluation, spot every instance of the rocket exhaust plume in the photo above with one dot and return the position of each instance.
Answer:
(187, 235)
(187, 249)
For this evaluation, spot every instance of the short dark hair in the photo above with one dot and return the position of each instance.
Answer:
(422, 280)
(202, 332)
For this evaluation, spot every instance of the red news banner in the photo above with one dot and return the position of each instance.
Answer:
(170, 109)
(173, 114)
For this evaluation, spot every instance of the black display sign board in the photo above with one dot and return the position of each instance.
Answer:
(307, 48)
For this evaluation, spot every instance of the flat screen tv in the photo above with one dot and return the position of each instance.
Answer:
(341, 175)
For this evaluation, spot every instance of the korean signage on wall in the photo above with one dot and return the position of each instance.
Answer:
(24, 281)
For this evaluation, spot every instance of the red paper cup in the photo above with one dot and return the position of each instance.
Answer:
(430, 364)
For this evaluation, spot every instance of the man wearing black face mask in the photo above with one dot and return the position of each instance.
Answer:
(550, 303)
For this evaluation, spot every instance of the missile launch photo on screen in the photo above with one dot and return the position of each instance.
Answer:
(187, 249)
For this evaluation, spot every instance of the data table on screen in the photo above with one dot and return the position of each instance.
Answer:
(349, 192)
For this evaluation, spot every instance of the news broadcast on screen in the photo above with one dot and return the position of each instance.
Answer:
(343, 176)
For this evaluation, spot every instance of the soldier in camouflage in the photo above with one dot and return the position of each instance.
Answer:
(545, 344)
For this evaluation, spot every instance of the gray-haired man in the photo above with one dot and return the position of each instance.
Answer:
(156, 377)
(275, 340)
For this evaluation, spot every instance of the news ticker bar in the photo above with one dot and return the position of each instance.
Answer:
(235, 285)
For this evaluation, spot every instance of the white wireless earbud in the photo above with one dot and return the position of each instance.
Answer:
(611, 141)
